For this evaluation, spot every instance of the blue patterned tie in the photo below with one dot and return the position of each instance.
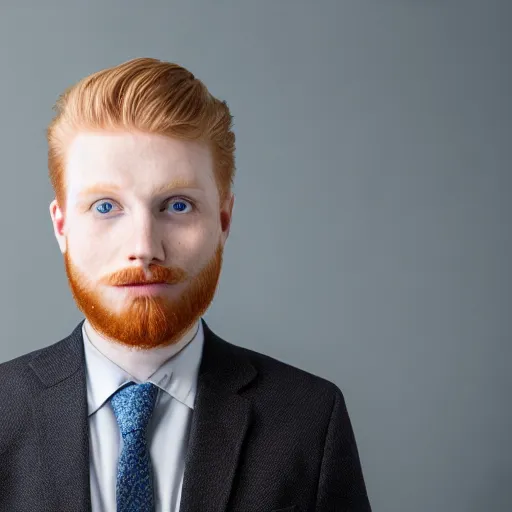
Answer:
(133, 407)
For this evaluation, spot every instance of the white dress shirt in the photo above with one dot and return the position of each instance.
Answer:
(174, 370)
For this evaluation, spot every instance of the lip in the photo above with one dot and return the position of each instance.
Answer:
(145, 289)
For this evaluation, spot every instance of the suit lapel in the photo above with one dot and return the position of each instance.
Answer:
(220, 421)
(60, 416)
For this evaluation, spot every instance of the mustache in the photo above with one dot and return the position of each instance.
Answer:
(136, 276)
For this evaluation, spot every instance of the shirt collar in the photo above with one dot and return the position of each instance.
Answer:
(177, 376)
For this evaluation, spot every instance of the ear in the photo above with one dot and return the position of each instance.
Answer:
(226, 213)
(58, 225)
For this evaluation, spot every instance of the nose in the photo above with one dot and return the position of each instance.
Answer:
(146, 240)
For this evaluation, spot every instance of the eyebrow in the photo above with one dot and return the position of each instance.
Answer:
(100, 188)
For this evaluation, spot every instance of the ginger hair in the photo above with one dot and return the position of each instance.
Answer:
(146, 95)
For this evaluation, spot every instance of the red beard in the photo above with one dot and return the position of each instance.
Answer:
(148, 321)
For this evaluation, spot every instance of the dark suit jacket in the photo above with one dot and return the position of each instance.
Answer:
(265, 436)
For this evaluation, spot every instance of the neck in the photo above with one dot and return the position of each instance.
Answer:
(139, 363)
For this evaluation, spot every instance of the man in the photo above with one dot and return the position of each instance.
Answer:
(142, 407)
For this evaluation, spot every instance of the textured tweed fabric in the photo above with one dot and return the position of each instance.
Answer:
(133, 406)
(264, 436)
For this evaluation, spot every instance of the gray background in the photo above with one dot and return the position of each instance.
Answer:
(371, 236)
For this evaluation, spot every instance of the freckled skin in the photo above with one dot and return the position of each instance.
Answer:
(131, 233)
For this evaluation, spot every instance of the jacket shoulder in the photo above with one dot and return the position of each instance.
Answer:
(14, 374)
(19, 384)
(287, 380)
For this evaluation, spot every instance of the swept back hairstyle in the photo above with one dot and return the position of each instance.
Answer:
(146, 95)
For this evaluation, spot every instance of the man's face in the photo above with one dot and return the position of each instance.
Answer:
(123, 224)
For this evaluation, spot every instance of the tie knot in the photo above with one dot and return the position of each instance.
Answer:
(133, 406)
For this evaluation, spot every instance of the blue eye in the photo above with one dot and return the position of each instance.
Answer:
(178, 206)
(104, 209)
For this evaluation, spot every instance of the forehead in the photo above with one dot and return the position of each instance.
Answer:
(135, 160)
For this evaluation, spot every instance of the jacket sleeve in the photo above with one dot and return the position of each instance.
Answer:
(341, 485)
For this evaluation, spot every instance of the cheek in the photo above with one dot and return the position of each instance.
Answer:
(198, 240)
(83, 259)
(193, 248)
(88, 253)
